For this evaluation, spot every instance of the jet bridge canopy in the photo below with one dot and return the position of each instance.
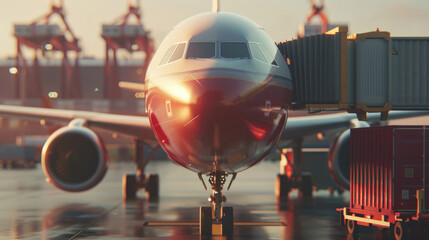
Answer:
(360, 73)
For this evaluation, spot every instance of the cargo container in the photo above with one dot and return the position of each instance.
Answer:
(12, 156)
(123, 30)
(36, 30)
(309, 29)
(389, 176)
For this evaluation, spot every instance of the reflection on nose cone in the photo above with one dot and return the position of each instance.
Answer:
(221, 123)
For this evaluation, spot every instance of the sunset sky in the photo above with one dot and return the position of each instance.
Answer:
(280, 18)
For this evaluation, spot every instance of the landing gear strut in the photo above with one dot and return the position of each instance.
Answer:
(131, 183)
(217, 220)
(290, 176)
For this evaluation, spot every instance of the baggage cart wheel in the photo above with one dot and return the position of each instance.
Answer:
(400, 230)
(205, 221)
(352, 227)
(227, 221)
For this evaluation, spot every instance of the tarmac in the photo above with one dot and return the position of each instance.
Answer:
(31, 208)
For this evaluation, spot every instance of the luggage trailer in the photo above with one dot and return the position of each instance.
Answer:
(389, 180)
(398, 222)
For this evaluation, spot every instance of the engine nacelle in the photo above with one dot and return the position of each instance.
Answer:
(339, 159)
(74, 159)
(339, 156)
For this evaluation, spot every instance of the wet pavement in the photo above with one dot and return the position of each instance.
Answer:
(33, 209)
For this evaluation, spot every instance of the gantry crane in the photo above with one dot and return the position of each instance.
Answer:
(317, 10)
(42, 36)
(130, 37)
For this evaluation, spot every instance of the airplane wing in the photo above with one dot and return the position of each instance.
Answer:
(139, 126)
(298, 127)
(133, 126)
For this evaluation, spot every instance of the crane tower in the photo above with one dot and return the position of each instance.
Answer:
(42, 36)
(122, 35)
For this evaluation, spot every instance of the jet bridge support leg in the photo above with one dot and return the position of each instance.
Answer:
(304, 179)
(290, 176)
(284, 179)
(132, 182)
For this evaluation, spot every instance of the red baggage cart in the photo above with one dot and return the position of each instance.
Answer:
(389, 177)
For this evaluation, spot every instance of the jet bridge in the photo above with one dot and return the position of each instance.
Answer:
(360, 73)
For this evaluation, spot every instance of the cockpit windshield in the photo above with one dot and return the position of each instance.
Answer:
(261, 53)
(201, 50)
(168, 54)
(178, 53)
(234, 50)
(270, 58)
(256, 52)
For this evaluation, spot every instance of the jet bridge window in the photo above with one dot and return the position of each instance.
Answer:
(234, 50)
(201, 50)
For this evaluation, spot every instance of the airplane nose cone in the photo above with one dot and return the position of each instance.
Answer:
(216, 122)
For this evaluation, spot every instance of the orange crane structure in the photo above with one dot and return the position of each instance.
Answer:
(121, 35)
(42, 37)
(317, 10)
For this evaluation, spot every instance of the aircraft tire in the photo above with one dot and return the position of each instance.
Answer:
(306, 187)
(129, 186)
(152, 187)
(227, 221)
(282, 186)
(205, 221)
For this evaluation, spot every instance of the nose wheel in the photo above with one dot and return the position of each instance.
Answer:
(206, 221)
(216, 220)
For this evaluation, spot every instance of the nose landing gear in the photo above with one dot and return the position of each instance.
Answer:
(216, 220)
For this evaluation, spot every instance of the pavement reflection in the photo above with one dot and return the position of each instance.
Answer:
(33, 209)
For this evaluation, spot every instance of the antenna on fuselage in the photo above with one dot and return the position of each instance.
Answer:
(216, 6)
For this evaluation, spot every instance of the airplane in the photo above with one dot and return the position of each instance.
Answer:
(217, 91)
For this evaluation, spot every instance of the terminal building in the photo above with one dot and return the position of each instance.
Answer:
(49, 71)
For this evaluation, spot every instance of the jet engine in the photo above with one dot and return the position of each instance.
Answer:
(74, 159)
(339, 156)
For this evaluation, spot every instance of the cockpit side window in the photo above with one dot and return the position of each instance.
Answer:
(268, 55)
(168, 54)
(178, 53)
(256, 53)
(201, 50)
(234, 50)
